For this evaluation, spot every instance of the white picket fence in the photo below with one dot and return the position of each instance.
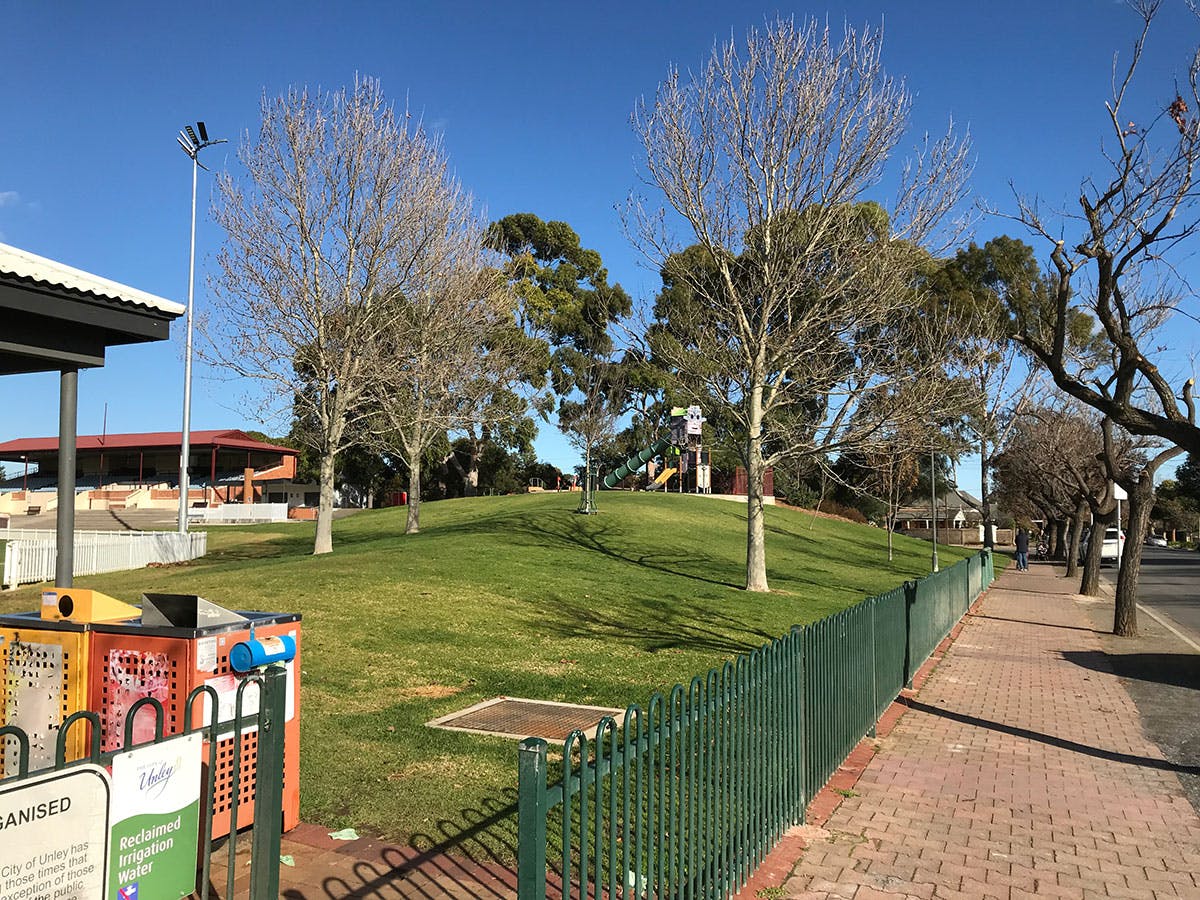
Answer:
(240, 512)
(30, 555)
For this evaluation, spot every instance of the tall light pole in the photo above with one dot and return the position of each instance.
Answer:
(192, 145)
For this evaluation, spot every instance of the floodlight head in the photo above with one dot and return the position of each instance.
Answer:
(192, 145)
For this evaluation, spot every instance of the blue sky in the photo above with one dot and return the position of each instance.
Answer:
(533, 99)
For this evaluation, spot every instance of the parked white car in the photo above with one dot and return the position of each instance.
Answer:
(1114, 545)
(1155, 540)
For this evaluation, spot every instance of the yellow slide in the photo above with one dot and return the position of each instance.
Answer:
(664, 475)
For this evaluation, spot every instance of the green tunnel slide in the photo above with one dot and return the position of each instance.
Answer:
(634, 463)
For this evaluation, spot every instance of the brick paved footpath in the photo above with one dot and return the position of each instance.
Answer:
(1016, 772)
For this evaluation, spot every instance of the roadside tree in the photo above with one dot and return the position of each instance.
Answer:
(1133, 224)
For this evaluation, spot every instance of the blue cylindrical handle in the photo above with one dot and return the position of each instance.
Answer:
(247, 655)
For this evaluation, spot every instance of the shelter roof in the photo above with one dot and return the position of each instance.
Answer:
(57, 318)
(154, 440)
(43, 272)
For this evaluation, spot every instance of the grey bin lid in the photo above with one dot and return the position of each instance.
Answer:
(185, 611)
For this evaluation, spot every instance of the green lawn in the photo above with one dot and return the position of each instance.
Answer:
(509, 596)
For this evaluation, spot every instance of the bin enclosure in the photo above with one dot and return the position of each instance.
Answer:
(43, 679)
(52, 666)
(132, 660)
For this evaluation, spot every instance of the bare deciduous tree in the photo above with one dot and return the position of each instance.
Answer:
(449, 345)
(588, 419)
(800, 287)
(329, 222)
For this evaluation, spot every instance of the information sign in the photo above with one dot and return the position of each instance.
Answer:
(155, 820)
(54, 835)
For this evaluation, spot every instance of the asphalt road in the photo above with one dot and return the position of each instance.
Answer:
(1170, 584)
(1161, 671)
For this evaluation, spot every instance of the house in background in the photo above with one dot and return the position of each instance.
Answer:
(957, 515)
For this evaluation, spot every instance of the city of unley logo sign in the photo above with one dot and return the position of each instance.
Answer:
(155, 820)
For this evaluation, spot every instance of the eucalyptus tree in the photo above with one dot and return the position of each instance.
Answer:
(564, 301)
(994, 371)
(769, 157)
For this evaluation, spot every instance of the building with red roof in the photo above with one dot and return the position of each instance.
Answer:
(141, 471)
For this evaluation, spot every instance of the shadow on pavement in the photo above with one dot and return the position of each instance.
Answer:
(1030, 622)
(1051, 740)
(1179, 669)
(469, 856)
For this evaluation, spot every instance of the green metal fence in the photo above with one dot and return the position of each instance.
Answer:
(683, 799)
(268, 723)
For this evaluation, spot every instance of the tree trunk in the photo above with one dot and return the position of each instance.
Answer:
(1076, 533)
(413, 525)
(756, 550)
(889, 521)
(1141, 503)
(1060, 539)
(1089, 584)
(469, 477)
(324, 539)
(989, 539)
(1051, 538)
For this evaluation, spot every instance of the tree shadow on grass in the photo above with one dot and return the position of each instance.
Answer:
(273, 548)
(277, 545)
(605, 539)
(658, 629)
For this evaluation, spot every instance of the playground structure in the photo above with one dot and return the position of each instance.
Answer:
(683, 442)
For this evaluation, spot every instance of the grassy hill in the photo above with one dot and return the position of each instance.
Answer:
(512, 596)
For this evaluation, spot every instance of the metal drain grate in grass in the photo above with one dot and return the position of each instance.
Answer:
(514, 717)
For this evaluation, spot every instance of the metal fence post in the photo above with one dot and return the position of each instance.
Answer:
(268, 786)
(874, 601)
(531, 820)
(910, 600)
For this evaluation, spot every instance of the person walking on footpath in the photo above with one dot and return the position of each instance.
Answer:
(1022, 550)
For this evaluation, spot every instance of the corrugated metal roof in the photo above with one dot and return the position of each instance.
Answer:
(155, 439)
(32, 267)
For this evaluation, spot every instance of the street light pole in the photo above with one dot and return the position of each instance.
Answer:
(192, 145)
